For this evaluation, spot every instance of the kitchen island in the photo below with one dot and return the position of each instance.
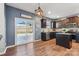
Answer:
(64, 39)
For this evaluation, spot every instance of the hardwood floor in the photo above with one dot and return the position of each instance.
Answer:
(43, 48)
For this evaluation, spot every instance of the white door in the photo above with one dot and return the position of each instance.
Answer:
(23, 31)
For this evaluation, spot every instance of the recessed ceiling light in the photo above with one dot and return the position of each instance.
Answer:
(49, 12)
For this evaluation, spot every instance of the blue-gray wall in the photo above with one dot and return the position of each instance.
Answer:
(11, 13)
(37, 28)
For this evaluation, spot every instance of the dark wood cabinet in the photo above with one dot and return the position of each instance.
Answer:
(48, 35)
(52, 35)
(54, 24)
(45, 36)
(43, 23)
(77, 38)
(64, 40)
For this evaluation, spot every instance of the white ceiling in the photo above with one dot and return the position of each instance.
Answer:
(52, 10)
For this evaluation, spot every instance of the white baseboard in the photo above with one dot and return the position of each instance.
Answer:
(16, 45)
(10, 46)
(6, 49)
(3, 52)
(37, 40)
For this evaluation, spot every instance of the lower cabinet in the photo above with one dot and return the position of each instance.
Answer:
(52, 35)
(77, 38)
(45, 36)
(48, 35)
(64, 40)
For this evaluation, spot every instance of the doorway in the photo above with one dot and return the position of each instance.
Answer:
(23, 31)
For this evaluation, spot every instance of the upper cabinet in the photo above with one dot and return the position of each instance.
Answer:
(43, 23)
(69, 22)
(77, 20)
(54, 24)
(74, 19)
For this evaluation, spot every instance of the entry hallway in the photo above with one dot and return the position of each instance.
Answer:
(43, 48)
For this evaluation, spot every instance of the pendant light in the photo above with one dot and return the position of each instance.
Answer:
(39, 11)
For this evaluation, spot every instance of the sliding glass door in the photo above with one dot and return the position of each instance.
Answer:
(23, 31)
